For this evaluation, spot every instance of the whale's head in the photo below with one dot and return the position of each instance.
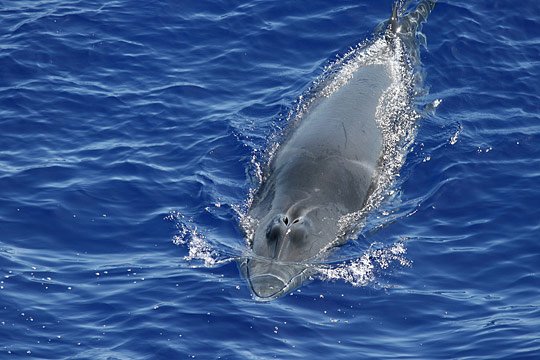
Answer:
(284, 245)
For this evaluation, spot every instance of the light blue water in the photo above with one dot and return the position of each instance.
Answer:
(115, 115)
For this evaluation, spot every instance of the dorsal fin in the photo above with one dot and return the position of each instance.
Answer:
(410, 23)
(394, 18)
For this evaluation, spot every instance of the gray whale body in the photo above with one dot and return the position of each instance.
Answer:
(324, 170)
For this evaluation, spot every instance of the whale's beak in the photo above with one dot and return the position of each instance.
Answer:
(269, 279)
(266, 286)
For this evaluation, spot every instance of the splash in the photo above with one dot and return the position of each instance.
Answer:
(454, 139)
(189, 236)
(362, 271)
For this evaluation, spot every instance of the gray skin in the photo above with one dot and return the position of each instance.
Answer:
(324, 170)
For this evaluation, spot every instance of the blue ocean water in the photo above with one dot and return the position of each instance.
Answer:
(121, 120)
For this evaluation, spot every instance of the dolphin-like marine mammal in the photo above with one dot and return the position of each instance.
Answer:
(324, 170)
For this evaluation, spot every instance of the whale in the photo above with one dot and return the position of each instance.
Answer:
(325, 169)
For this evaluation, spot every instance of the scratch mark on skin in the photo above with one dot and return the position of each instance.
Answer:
(345, 133)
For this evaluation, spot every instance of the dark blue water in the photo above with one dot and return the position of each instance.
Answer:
(129, 127)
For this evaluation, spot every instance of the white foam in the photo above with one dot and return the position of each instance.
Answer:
(362, 271)
(189, 236)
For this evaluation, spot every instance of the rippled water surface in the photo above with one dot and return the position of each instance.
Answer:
(130, 137)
